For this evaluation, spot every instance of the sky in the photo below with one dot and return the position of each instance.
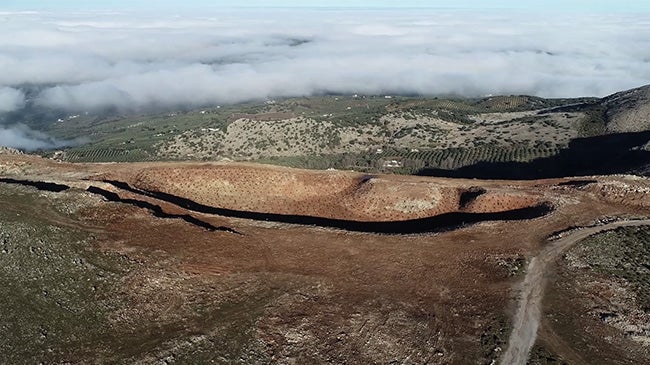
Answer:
(75, 56)
(631, 6)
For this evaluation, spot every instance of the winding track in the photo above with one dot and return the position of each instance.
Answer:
(528, 314)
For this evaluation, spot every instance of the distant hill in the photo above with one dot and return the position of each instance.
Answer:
(380, 133)
(628, 111)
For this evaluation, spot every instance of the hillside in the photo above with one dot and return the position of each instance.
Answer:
(628, 111)
(327, 194)
(356, 132)
(239, 263)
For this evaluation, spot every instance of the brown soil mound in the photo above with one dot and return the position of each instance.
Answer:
(327, 194)
(500, 201)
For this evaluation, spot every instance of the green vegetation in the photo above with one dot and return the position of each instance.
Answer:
(595, 122)
(539, 355)
(411, 161)
(342, 132)
(622, 254)
(494, 338)
(55, 289)
(108, 155)
(65, 300)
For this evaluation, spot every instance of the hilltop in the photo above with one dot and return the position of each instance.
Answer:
(231, 262)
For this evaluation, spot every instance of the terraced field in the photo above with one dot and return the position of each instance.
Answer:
(409, 161)
(106, 155)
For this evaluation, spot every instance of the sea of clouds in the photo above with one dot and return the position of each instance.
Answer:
(134, 61)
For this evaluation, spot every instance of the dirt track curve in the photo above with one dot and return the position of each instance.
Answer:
(528, 314)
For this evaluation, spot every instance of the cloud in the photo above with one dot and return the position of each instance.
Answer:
(22, 137)
(11, 99)
(92, 61)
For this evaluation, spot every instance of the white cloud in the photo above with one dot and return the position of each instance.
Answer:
(94, 61)
(22, 137)
(11, 99)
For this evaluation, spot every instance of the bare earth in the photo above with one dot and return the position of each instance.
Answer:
(208, 287)
(527, 318)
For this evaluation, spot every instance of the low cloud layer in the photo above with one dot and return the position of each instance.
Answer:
(11, 99)
(127, 61)
(24, 138)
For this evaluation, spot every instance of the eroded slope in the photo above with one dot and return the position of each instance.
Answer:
(328, 194)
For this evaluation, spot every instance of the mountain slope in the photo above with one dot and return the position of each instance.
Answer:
(628, 111)
(394, 134)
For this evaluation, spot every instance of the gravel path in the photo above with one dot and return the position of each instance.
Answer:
(529, 310)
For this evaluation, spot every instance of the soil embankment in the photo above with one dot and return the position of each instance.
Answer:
(156, 210)
(338, 195)
(440, 222)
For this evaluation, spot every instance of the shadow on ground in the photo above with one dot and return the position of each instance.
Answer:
(601, 155)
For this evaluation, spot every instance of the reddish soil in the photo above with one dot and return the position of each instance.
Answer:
(328, 296)
(328, 194)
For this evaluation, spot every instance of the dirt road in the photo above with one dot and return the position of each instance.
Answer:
(528, 314)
